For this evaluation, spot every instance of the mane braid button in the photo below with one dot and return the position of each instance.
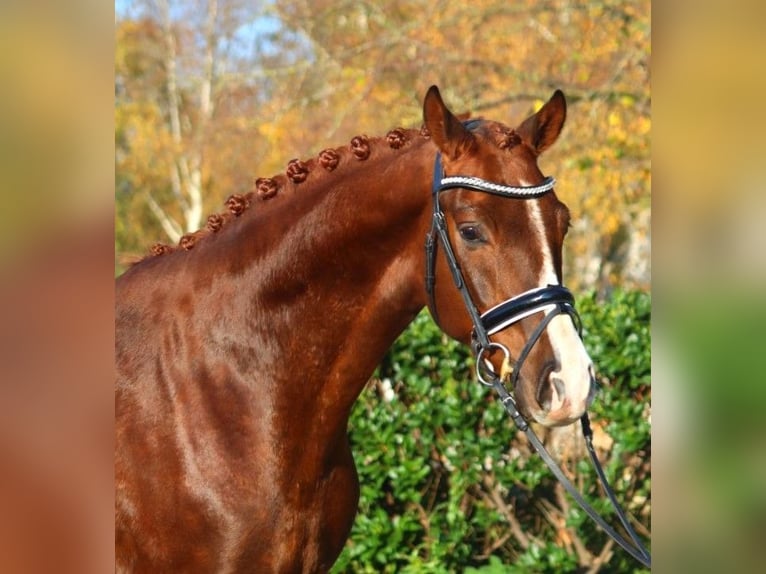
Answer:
(297, 171)
(360, 147)
(187, 241)
(161, 249)
(397, 137)
(329, 159)
(237, 203)
(266, 187)
(214, 222)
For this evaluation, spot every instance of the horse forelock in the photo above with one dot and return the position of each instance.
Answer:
(297, 174)
(499, 134)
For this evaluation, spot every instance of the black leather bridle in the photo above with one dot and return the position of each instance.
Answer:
(555, 299)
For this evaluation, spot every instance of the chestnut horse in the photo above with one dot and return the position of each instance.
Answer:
(240, 353)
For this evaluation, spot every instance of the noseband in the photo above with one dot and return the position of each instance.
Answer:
(552, 299)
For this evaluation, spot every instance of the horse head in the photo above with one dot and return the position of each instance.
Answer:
(503, 249)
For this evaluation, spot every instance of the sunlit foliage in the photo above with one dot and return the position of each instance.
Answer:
(293, 77)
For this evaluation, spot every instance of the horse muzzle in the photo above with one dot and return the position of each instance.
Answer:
(563, 388)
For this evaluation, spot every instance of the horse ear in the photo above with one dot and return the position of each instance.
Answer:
(447, 132)
(543, 128)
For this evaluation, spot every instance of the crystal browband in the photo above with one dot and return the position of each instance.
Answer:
(479, 184)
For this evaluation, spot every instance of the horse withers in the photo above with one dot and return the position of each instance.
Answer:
(241, 351)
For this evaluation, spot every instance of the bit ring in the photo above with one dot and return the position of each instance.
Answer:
(485, 372)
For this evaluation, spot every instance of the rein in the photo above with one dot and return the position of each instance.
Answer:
(556, 300)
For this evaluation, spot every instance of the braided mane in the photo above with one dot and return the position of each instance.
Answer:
(297, 171)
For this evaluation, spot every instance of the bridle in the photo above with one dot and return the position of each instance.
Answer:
(555, 299)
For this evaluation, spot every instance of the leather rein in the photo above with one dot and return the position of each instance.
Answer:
(555, 299)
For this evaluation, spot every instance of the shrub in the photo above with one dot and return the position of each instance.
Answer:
(449, 485)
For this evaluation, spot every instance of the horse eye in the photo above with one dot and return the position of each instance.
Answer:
(470, 233)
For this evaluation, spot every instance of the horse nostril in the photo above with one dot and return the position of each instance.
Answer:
(545, 386)
(558, 384)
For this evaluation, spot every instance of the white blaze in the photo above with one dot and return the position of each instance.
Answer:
(576, 365)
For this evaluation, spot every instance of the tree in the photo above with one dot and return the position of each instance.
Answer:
(503, 60)
(255, 87)
(287, 81)
(177, 82)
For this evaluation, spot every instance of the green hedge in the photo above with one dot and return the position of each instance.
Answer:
(447, 483)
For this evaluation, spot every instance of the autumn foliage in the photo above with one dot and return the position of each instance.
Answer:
(211, 95)
(214, 97)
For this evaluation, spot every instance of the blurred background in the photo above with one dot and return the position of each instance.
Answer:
(211, 94)
(87, 130)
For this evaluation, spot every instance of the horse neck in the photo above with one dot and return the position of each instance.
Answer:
(339, 274)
